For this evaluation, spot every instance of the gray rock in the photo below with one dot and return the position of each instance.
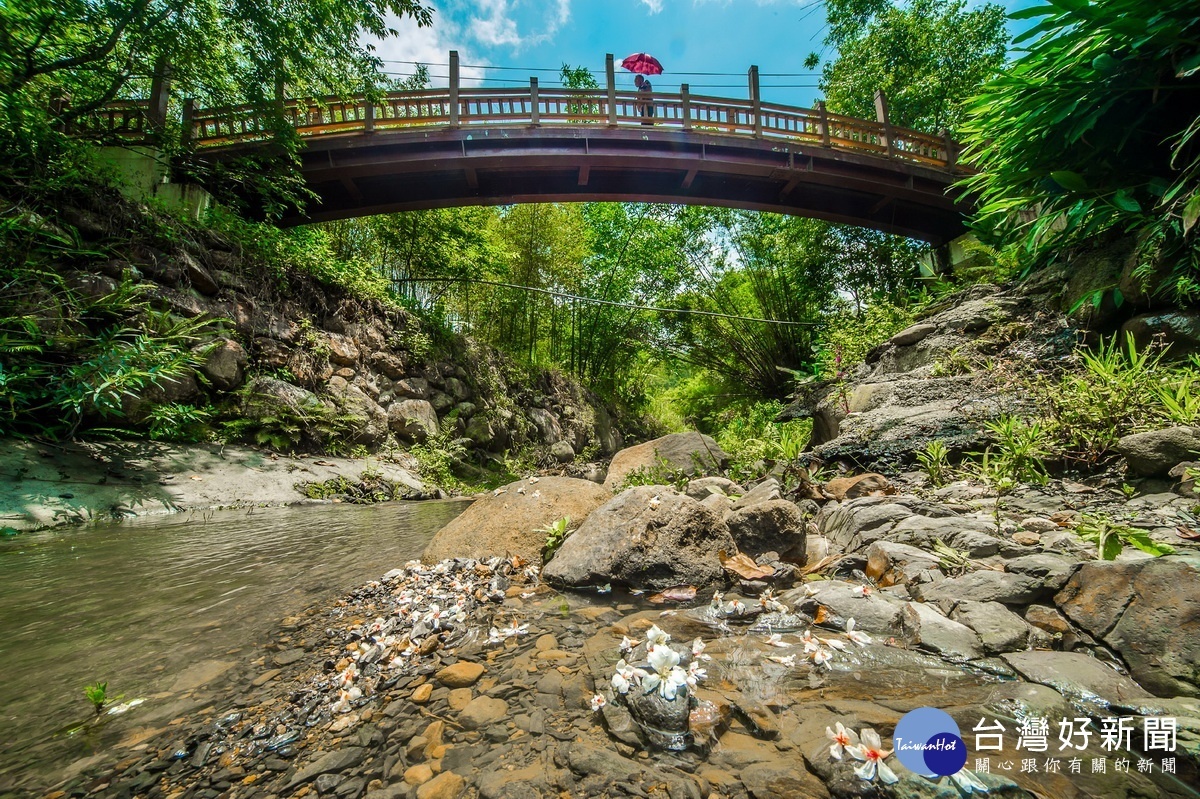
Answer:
(441, 401)
(224, 365)
(457, 389)
(845, 524)
(413, 420)
(342, 350)
(766, 491)
(329, 763)
(663, 722)
(689, 452)
(370, 422)
(1148, 611)
(702, 487)
(1052, 570)
(549, 430)
(911, 335)
(1180, 329)
(196, 275)
(876, 613)
(412, 387)
(628, 542)
(772, 526)
(1000, 630)
(946, 637)
(1153, 454)
(890, 563)
(972, 535)
(984, 585)
(562, 452)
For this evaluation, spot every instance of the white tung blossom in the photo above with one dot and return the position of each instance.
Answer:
(667, 678)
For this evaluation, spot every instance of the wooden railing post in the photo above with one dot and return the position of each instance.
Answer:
(610, 79)
(951, 156)
(189, 116)
(533, 102)
(824, 115)
(755, 102)
(368, 115)
(881, 116)
(454, 89)
(160, 95)
(685, 103)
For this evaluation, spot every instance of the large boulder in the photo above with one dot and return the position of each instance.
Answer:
(1155, 453)
(773, 526)
(413, 420)
(690, 452)
(367, 420)
(1180, 329)
(507, 522)
(648, 537)
(224, 364)
(1146, 610)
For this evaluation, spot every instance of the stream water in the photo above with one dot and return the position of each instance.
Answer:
(145, 603)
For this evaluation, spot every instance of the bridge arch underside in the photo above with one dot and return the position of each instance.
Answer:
(364, 174)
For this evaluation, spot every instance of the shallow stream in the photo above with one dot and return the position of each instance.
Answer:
(149, 605)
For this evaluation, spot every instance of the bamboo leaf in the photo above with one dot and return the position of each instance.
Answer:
(1071, 181)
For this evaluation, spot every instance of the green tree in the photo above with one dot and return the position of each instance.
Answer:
(928, 57)
(1095, 128)
(223, 50)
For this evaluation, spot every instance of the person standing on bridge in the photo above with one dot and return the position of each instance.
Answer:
(645, 104)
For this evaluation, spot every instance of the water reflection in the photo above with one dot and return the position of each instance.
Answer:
(136, 603)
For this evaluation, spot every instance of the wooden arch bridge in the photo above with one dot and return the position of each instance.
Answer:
(466, 146)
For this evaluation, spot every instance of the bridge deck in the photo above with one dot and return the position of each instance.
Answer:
(441, 147)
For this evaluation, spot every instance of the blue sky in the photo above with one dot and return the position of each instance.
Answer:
(687, 36)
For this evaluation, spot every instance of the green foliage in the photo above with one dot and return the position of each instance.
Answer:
(1105, 92)
(849, 336)
(935, 462)
(1110, 538)
(71, 358)
(662, 473)
(438, 457)
(755, 441)
(928, 56)
(1016, 456)
(1117, 391)
(97, 694)
(556, 532)
(369, 488)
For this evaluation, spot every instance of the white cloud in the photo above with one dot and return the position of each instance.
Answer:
(497, 27)
(655, 6)
(430, 46)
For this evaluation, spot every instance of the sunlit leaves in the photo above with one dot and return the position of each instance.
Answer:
(1094, 127)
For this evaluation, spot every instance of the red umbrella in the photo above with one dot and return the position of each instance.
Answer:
(643, 64)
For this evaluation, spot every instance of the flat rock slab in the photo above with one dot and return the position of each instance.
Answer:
(85, 482)
(199, 674)
(1077, 676)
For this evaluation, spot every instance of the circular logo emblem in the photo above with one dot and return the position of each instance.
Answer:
(927, 741)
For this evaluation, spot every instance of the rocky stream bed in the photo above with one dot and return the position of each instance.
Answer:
(484, 676)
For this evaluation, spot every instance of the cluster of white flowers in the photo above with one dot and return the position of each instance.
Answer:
(864, 746)
(665, 675)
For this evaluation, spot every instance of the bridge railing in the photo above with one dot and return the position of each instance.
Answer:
(533, 106)
(537, 107)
